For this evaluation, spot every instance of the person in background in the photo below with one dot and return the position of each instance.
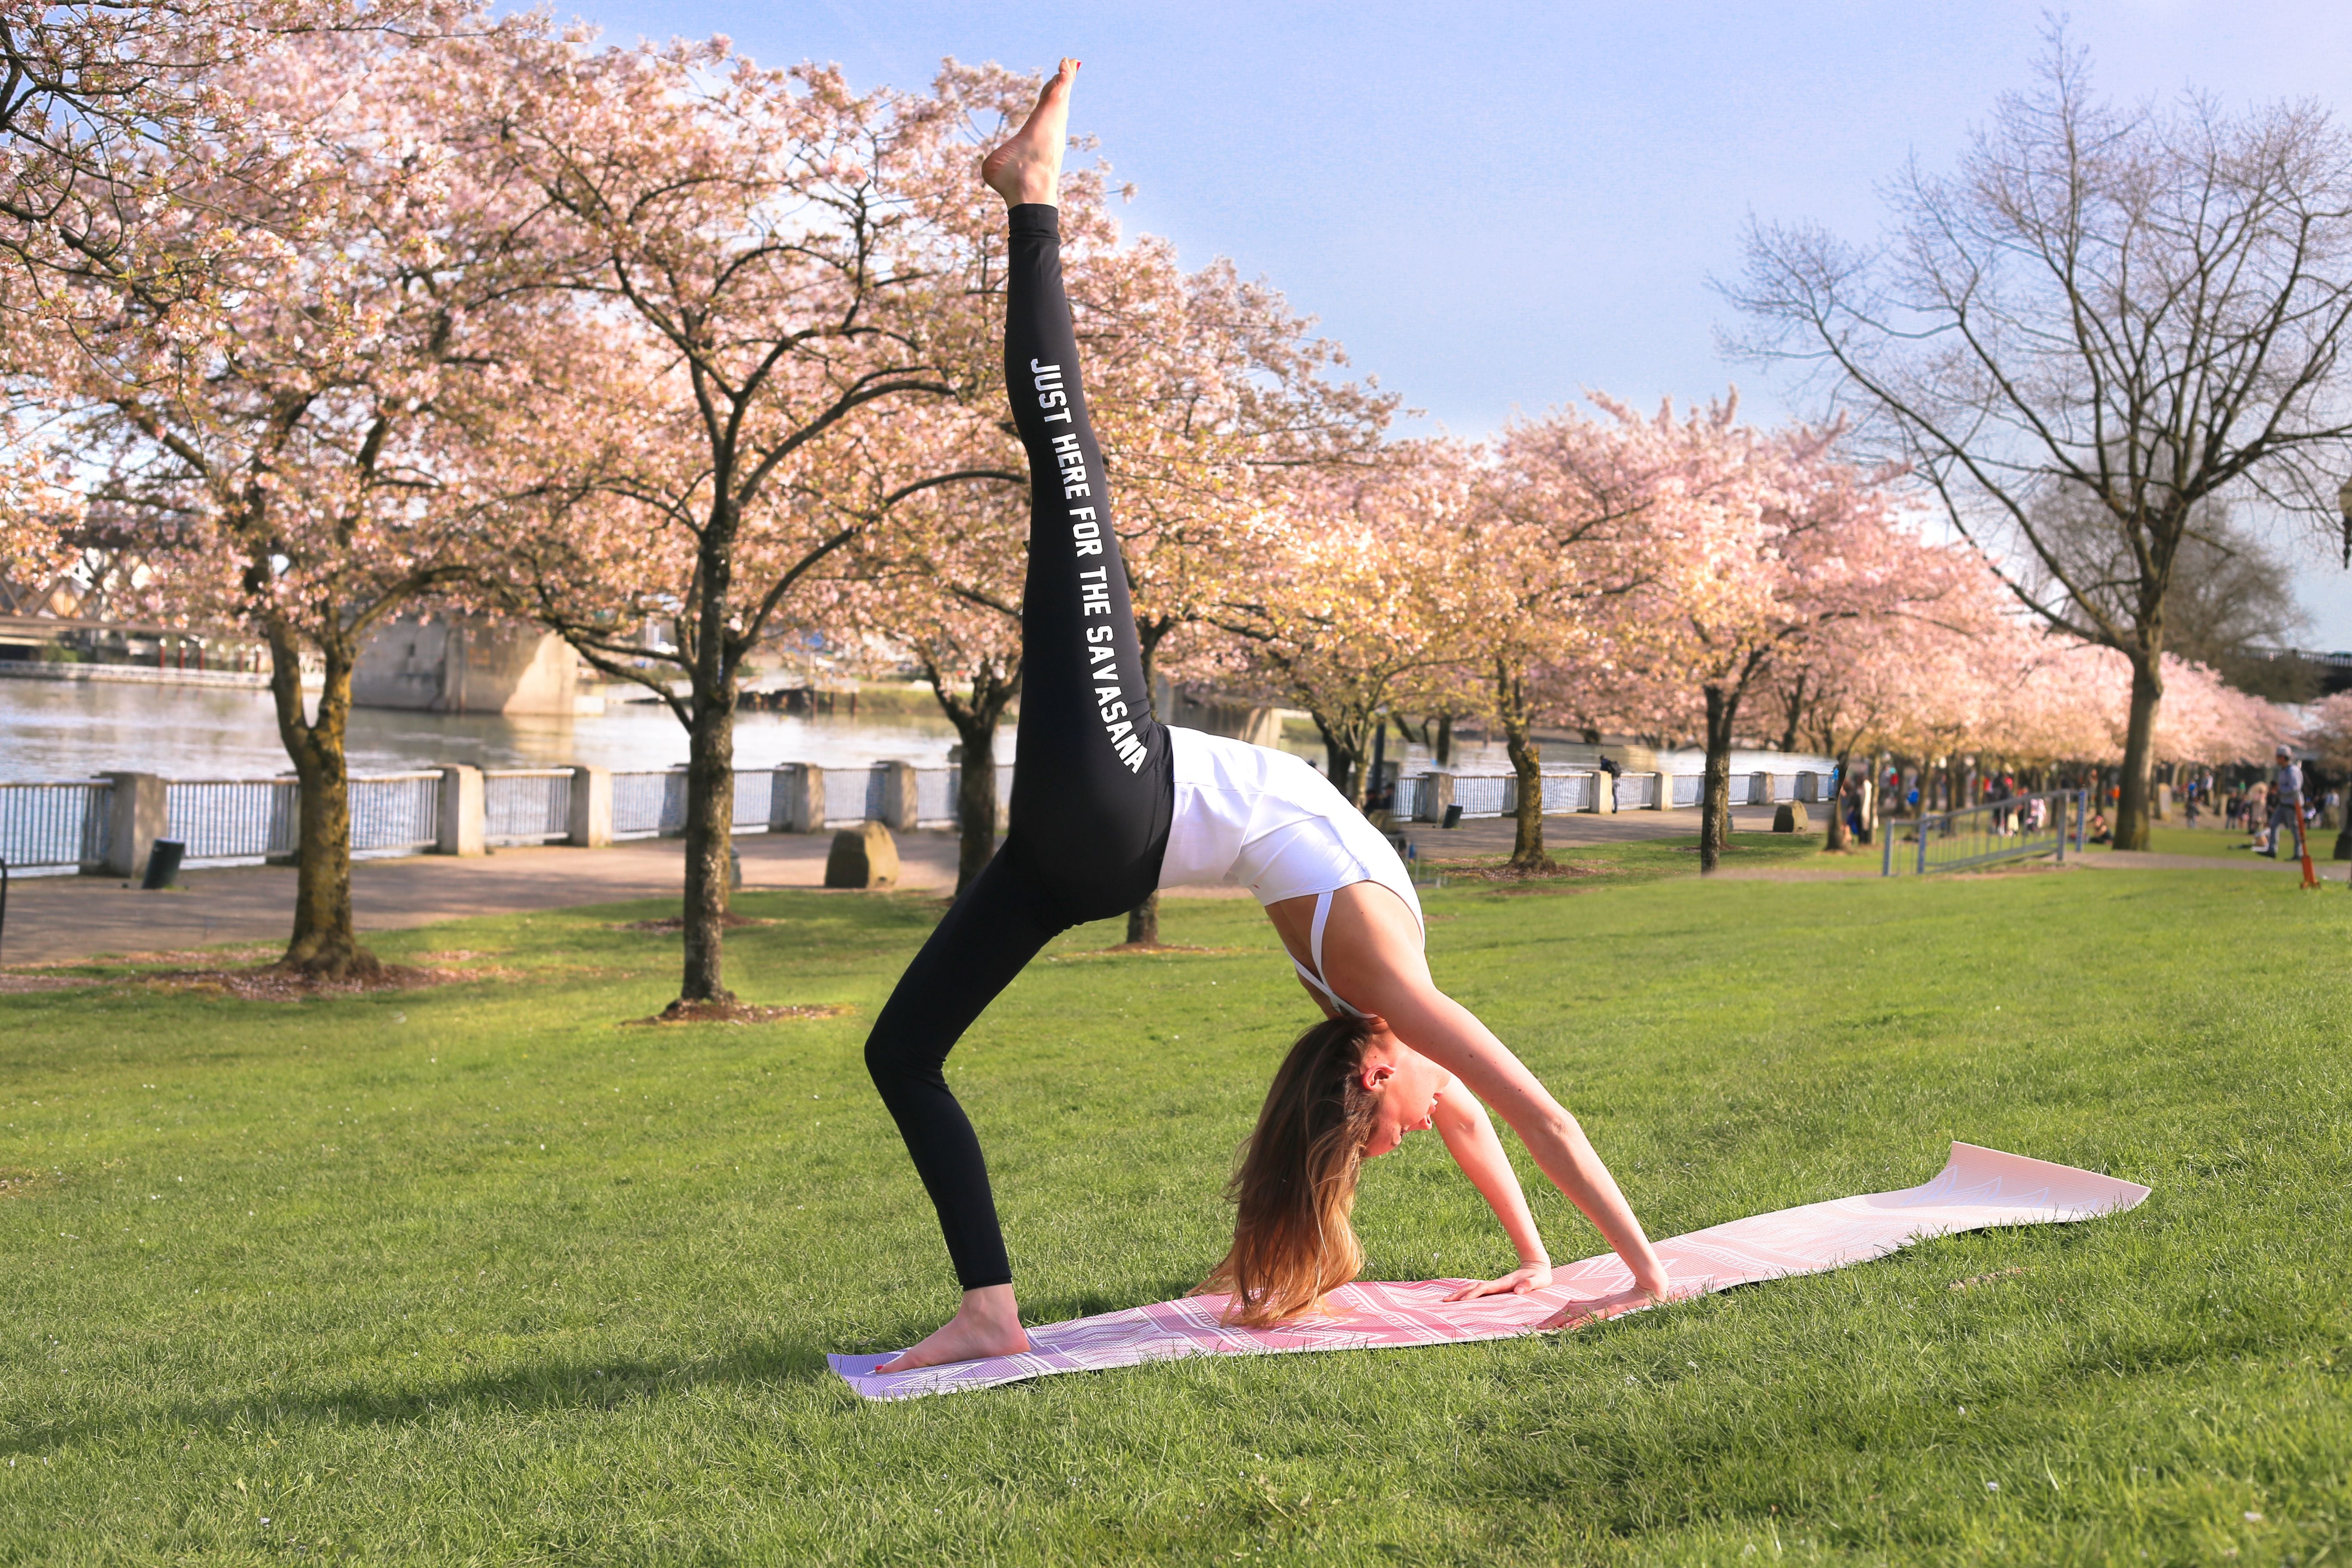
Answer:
(2257, 815)
(2285, 802)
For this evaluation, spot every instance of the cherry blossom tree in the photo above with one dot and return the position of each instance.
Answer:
(1351, 617)
(294, 437)
(763, 249)
(1560, 565)
(1932, 665)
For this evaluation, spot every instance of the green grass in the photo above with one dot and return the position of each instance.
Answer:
(475, 1275)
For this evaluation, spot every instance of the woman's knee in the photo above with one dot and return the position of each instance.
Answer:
(893, 1063)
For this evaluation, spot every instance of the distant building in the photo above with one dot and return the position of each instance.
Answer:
(467, 664)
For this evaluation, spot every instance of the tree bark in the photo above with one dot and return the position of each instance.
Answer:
(1143, 921)
(324, 942)
(1342, 758)
(1527, 766)
(976, 793)
(710, 833)
(1834, 840)
(2131, 827)
(1714, 789)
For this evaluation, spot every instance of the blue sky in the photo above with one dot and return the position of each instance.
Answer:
(1496, 206)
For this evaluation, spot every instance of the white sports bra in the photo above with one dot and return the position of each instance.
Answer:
(1267, 821)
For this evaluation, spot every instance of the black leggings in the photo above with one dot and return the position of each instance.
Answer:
(1091, 786)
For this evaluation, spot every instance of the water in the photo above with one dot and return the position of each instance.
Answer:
(71, 729)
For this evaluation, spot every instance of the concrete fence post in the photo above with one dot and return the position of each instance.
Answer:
(1436, 794)
(798, 803)
(1664, 800)
(1809, 787)
(589, 824)
(1603, 795)
(464, 816)
(136, 816)
(898, 796)
(1759, 789)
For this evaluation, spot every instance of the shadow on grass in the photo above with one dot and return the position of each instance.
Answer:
(608, 1384)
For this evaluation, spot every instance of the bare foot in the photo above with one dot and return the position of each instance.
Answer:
(988, 1323)
(1028, 167)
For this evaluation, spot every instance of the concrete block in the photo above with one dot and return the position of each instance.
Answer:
(136, 813)
(590, 824)
(899, 798)
(798, 803)
(865, 857)
(464, 816)
(1436, 794)
(1792, 818)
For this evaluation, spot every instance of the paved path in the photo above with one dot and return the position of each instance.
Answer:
(2144, 860)
(60, 919)
(53, 920)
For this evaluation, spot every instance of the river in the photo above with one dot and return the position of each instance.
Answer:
(70, 730)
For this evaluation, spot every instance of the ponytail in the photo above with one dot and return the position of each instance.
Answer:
(1294, 1183)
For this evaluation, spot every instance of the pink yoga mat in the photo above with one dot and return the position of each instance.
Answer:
(1978, 1188)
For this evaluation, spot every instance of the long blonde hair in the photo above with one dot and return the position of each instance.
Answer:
(1294, 1186)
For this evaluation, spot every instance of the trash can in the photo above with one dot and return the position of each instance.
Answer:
(163, 864)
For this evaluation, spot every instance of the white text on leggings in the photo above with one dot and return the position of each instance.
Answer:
(1050, 396)
(1094, 589)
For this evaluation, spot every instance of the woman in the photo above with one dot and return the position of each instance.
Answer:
(1108, 806)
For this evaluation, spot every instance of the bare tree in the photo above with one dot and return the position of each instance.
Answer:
(2131, 313)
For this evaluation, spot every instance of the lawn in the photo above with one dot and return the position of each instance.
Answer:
(477, 1274)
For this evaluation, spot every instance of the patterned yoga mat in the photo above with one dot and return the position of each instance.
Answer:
(1978, 1188)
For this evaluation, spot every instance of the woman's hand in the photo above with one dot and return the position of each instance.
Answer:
(1526, 1277)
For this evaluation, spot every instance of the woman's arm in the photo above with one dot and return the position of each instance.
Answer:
(1470, 1138)
(1372, 949)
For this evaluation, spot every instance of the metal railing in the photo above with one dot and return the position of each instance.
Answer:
(392, 812)
(55, 825)
(851, 794)
(526, 806)
(648, 804)
(2019, 829)
(1636, 792)
(755, 798)
(235, 819)
(935, 794)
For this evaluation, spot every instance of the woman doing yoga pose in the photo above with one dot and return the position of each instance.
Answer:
(1107, 805)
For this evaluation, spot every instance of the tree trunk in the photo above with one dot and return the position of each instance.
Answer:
(1833, 841)
(976, 793)
(1143, 921)
(1341, 759)
(324, 942)
(1527, 766)
(1715, 790)
(2131, 827)
(1444, 740)
(710, 832)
